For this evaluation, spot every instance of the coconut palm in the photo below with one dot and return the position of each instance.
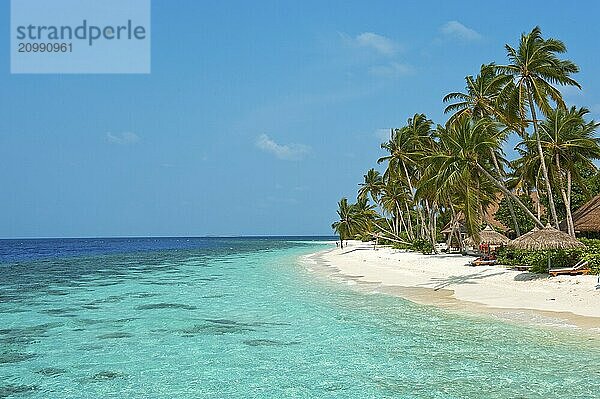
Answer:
(568, 141)
(481, 97)
(482, 100)
(372, 185)
(462, 164)
(347, 223)
(354, 219)
(364, 214)
(395, 201)
(446, 179)
(406, 147)
(535, 68)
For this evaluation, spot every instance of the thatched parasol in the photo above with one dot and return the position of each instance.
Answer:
(546, 238)
(489, 236)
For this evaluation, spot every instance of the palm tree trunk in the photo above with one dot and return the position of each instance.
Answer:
(537, 203)
(511, 208)
(427, 220)
(419, 210)
(402, 223)
(432, 227)
(452, 225)
(409, 218)
(421, 218)
(542, 159)
(566, 199)
(393, 237)
(569, 188)
(510, 194)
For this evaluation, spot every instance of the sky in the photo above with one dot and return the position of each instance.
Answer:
(256, 118)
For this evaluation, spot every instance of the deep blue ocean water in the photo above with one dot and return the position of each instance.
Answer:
(244, 318)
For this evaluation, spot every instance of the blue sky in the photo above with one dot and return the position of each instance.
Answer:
(257, 116)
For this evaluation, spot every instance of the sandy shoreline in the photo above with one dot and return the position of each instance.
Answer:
(446, 281)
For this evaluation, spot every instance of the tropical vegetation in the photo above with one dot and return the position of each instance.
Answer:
(443, 176)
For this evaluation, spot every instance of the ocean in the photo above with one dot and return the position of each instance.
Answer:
(246, 318)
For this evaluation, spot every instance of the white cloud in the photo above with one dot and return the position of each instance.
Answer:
(456, 30)
(391, 70)
(377, 42)
(380, 44)
(122, 138)
(287, 152)
(383, 134)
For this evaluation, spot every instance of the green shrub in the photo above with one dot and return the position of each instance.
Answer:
(399, 245)
(538, 260)
(592, 254)
(593, 262)
(422, 246)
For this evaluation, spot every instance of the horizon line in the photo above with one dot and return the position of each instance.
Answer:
(167, 236)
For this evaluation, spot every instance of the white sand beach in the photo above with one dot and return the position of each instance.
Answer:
(447, 280)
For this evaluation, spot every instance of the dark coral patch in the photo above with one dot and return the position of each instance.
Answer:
(268, 342)
(51, 372)
(10, 390)
(15, 357)
(115, 335)
(106, 376)
(164, 305)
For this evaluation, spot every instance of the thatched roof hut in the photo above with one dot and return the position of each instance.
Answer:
(587, 218)
(458, 226)
(546, 238)
(489, 236)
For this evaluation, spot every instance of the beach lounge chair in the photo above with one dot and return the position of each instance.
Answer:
(484, 261)
(580, 268)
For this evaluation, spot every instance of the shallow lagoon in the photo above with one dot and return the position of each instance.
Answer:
(238, 318)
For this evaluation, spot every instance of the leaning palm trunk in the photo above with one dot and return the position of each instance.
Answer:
(391, 237)
(402, 223)
(565, 197)
(511, 208)
(427, 222)
(420, 220)
(542, 160)
(453, 223)
(510, 194)
(412, 197)
(569, 187)
(461, 243)
(432, 227)
(538, 206)
(409, 219)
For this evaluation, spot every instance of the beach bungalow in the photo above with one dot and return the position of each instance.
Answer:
(586, 219)
(489, 241)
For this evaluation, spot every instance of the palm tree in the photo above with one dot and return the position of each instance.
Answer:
(482, 100)
(345, 226)
(447, 179)
(535, 68)
(526, 172)
(405, 148)
(405, 145)
(354, 219)
(481, 97)
(365, 215)
(568, 141)
(373, 185)
(394, 201)
(461, 165)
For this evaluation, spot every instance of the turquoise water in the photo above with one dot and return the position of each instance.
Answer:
(243, 319)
